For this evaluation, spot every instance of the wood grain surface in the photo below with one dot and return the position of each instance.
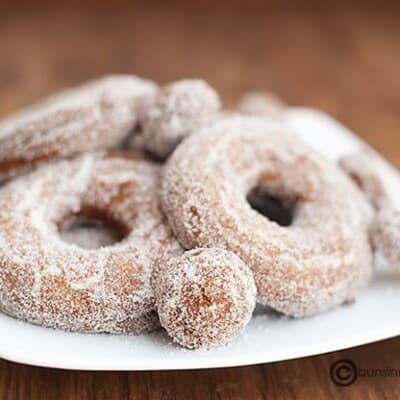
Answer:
(340, 58)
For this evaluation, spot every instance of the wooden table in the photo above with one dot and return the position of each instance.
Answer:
(343, 60)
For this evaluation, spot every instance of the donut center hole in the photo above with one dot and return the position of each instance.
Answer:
(274, 208)
(91, 231)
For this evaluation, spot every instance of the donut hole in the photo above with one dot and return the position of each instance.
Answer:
(272, 207)
(92, 230)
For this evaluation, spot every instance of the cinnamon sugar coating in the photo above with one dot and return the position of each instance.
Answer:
(385, 234)
(205, 297)
(365, 169)
(96, 115)
(46, 281)
(177, 110)
(322, 259)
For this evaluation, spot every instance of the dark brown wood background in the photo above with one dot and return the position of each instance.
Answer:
(342, 58)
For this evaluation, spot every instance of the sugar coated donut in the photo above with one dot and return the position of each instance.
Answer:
(204, 297)
(179, 108)
(317, 262)
(385, 234)
(365, 169)
(96, 115)
(261, 103)
(49, 282)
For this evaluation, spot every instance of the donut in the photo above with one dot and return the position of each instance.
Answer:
(177, 110)
(204, 297)
(261, 104)
(46, 281)
(364, 167)
(96, 115)
(317, 262)
(385, 234)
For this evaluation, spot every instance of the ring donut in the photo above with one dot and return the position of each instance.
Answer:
(96, 115)
(46, 281)
(385, 234)
(375, 176)
(317, 262)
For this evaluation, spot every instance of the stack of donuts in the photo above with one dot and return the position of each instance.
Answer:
(211, 210)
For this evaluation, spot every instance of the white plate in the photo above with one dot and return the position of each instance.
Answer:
(268, 337)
